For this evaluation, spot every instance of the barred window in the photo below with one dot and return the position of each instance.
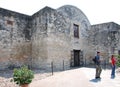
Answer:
(76, 30)
(9, 22)
(118, 52)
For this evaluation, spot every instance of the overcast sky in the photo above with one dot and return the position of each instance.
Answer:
(97, 11)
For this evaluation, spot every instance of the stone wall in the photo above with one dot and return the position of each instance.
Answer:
(14, 39)
(50, 40)
(53, 36)
(105, 38)
(47, 37)
(76, 16)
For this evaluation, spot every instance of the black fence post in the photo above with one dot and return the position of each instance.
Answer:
(52, 67)
(85, 62)
(105, 64)
(63, 66)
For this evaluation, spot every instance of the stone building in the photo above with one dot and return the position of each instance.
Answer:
(62, 37)
(105, 37)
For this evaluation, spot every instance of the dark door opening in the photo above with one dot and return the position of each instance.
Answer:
(76, 58)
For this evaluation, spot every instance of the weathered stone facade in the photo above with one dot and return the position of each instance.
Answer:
(14, 39)
(53, 36)
(49, 36)
(105, 37)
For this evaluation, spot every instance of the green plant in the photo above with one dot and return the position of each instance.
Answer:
(118, 60)
(23, 75)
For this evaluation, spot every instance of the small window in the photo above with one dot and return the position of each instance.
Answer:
(118, 52)
(76, 30)
(9, 22)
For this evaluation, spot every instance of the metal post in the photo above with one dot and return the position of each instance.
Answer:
(52, 67)
(63, 65)
(105, 64)
(85, 62)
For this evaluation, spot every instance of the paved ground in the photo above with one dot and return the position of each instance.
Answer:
(81, 77)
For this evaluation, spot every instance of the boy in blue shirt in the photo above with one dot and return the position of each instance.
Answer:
(98, 66)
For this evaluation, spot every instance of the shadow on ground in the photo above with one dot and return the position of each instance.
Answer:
(95, 80)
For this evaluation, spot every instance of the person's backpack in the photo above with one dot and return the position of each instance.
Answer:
(94, 60)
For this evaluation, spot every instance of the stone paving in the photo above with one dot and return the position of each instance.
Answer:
(106, 80)
(81, 77)
(69, 78)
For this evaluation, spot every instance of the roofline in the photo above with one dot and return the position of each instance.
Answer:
(105, 23)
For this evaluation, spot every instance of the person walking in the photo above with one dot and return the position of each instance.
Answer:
(113, 63)
(98, 66)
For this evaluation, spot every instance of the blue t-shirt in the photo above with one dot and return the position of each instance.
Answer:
(97, 58)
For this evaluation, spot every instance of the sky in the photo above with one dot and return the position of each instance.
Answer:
(97, 11)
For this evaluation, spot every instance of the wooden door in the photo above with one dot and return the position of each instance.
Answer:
(76, 58)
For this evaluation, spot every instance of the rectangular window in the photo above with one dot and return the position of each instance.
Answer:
(76, 30)
(9, 22)
(118, 52)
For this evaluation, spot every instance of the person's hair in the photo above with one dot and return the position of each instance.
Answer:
(112, 56)
(98, 52)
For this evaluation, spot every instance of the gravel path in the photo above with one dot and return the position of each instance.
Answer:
(6, 76)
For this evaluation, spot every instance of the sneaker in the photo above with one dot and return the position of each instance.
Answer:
(97, 77)
(112, 76)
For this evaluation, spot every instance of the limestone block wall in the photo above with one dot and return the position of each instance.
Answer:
(50, 40)
(76, 16)
(48, 36)
(105, 38)
(59, 40)
(39, 40)
(53, 36)
(59, 51)
(14, 41)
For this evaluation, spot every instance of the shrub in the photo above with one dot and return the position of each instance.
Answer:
(23, 75)
(118, 60)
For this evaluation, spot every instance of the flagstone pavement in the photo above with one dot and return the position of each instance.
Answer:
(80, 77)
